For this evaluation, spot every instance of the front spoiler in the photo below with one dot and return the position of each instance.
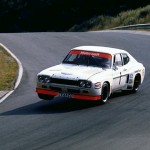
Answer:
(74, 96)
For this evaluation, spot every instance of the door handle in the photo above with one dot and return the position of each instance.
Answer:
(124, 69)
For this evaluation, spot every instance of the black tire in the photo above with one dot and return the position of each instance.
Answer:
(105, 93)
(137, 82)
(45, 97)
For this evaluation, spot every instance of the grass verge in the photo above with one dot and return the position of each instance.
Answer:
(8, 70)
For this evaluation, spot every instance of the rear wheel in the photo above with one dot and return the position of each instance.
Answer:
(137, 82)
(105, 93)
(45, 97)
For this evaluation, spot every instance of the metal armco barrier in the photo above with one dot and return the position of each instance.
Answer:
(136, 26)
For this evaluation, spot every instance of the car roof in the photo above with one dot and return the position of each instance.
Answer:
(101, 49)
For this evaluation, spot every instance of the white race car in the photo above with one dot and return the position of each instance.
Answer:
(91, 73)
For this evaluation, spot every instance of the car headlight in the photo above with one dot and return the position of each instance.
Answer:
(44, 79)
(85, 84)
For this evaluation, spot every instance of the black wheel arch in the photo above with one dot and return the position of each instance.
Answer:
(138, 75)
(108, 85)
(137, 82)
(105, 92)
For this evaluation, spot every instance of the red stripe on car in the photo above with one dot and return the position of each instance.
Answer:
(86, 97)
(103, 55)
(47, 92)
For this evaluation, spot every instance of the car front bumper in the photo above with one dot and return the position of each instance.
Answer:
(69, 95)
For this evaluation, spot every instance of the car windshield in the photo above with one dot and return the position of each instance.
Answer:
(94, 59)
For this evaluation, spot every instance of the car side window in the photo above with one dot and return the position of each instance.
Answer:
(125, 58)
(118, 60)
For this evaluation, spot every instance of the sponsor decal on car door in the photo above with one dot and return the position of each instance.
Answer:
(116, 79)
(124, 76)
(117, 69)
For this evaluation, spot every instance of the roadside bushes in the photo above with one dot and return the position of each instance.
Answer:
(138, 16)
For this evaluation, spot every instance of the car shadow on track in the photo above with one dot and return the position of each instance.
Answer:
(51, 107)
(59, 105)
(120, 94)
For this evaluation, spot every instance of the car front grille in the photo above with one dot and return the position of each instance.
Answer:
(65, 81)
(68, 90)
(73, 91)
(56, 89)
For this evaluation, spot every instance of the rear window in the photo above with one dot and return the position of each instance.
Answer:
(125, 58)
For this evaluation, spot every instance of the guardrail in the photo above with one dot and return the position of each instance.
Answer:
(136, 26)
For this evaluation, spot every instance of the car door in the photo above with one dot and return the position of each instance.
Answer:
(117, 72)
(125, 69)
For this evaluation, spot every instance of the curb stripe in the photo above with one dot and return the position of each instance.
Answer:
(20, 73)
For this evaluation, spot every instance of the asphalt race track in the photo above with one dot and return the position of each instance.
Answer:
(28, 123)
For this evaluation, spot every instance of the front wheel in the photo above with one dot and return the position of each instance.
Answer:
(105, 93)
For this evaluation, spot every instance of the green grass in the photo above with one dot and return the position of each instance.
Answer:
(138, 16)
(8, 70)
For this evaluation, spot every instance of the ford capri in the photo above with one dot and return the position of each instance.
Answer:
(91, 73)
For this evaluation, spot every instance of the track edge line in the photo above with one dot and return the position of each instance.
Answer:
(20, 73)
